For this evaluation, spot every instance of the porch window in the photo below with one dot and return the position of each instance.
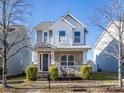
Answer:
(70, 60)
(64, 60)
(61, 36)
(76, 37)
(67, 60)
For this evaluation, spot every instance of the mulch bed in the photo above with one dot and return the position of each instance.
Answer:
(69, 78)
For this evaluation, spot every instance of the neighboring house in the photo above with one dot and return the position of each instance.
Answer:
(17, 63)
(105, 49)
(61, 43)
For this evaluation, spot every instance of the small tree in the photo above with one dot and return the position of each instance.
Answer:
(12, 12)
(113, 14)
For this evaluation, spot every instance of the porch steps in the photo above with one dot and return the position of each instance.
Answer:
(42, 76)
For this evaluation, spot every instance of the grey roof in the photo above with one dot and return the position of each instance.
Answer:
(44, 25)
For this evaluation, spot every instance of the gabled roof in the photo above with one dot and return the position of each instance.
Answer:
(62, 18)
(44, 25)
(103, 33)
(47, 25)
(75, 19)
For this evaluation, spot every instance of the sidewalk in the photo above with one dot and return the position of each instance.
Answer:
(58, 87)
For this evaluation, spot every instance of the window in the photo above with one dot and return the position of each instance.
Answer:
(76, 37)
(62, 36)
(50, 34)
(39, 36)
(70, 60)
(64, 60)
(67, 60)
(45, 36)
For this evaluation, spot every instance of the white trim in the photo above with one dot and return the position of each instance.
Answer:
(103, 33)
(62, 18)
(52, 57)
(84, 58)
(65, 37)
(69, 23)
(75, 19)
(67, 60)
(41, 70)
(47, 36)
(74, 37)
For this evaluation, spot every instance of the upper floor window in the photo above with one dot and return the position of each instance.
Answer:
(61, 36)
(39, 36)
(45, 36)
(76, 37)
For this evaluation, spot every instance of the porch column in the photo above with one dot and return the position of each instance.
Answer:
(84, 61)
(38, 59)
(52, 57)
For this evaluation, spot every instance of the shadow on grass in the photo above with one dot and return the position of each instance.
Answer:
(15, 82)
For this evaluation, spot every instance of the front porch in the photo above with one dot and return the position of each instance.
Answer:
(67, 61)
(66, 58)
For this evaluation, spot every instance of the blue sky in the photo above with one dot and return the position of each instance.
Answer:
(51, 10)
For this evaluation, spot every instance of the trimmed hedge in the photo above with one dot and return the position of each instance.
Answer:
(86, 71)
(53, 71)
(31, 72)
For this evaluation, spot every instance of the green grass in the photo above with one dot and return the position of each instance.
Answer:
(104, 76)
(17, 77)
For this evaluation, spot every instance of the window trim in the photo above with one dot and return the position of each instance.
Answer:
(67, 60)
(62, 36)
(46, 37)
(76, 37)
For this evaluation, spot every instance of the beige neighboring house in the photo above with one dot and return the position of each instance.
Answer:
(17, 63)
(61, 43)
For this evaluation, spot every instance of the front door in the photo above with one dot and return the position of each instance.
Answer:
(45, 62)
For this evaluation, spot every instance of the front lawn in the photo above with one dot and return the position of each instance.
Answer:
(17, 77)
(101, 82)
(104, 76)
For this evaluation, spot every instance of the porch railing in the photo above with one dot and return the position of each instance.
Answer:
(70, 69)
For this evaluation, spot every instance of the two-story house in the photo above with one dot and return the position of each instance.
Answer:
(61, 43)
(17, 63)
(105, 50)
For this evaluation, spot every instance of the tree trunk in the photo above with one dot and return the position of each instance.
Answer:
(119, 74)
(5, 43)
(4, 73)
(120, 62)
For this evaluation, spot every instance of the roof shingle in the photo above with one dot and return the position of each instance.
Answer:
(43, 26)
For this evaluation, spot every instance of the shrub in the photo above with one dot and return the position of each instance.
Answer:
(31, 72)
(53, 71)
(86, 71)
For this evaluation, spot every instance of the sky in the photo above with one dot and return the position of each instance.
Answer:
(51, 10)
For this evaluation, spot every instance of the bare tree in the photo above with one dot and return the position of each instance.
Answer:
(112, 14)
(12, 41)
